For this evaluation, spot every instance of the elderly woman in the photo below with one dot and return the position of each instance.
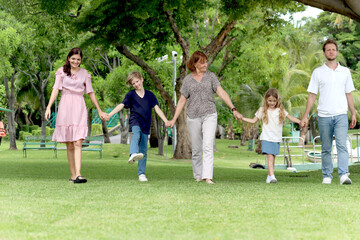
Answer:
(198, 92)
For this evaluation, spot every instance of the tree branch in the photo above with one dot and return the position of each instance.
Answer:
(348, 8)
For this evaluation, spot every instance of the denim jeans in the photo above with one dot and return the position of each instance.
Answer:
(138, 144)
(337, 126)
(202, 134)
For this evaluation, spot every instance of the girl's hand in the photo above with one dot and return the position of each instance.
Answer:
(237, 115)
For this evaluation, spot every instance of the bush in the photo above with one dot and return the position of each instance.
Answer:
(22, 135)
(36, 132)
(286, 130)
(33, 127)
(49, 131)
(25, 128)
(96, 129)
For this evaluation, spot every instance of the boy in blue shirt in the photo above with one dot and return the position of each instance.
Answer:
(140, 102)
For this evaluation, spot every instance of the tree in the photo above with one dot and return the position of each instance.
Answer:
(15, 39)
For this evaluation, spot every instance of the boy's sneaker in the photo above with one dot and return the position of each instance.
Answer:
(271, 179)
(326, 180)
(345, 179)
(135, 157)
(142, 178)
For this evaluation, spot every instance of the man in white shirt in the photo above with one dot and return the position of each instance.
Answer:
(334, 84)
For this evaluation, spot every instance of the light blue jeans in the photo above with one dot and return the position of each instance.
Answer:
(138, 144)
(337, 126)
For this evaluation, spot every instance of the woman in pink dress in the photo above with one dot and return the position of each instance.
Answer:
(71, 121)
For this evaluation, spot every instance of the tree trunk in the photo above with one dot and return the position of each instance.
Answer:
(153, 132)
(89, 121)
(10, 116)
(43, 109)
(183, 144)
(105, 132)
(124, 129)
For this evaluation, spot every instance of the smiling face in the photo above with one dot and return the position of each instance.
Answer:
(330, 52)
(201, 66)
(271, 102)
(75, 61)
(137, 83)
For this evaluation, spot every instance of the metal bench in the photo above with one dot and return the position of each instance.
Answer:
(93, 143)
(39, 143)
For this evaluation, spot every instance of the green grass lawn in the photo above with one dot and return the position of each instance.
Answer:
(37, 202)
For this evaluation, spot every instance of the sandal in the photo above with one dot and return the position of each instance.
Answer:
(80, 179)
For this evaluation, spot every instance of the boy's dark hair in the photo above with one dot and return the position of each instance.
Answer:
(131, 76)
(330, 41)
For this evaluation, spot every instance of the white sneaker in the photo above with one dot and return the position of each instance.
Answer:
(345, 179)
(326, 180)
(135, 157)
(271, 179)
(142, 178)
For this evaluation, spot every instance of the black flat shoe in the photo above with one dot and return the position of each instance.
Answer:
(80, 179)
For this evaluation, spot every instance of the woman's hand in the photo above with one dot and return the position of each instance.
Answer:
(47, 114)
(237, 115)
(170, 123)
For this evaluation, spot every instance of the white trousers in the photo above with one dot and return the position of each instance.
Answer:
(202, 134)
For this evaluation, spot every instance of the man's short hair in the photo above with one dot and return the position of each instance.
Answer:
(131, 76)
(330, 41)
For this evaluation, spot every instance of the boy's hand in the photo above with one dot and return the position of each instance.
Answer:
(170, 123)
(106, 117)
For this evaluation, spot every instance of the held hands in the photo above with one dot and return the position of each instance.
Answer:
(170, 123)
(237, 115)
(304, 122)
(104, 116)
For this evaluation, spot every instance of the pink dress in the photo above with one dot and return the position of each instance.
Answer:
(71, 120)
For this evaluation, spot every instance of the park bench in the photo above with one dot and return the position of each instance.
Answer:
(39, 143)
(93, 143)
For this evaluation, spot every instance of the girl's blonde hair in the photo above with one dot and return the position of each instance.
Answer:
(131, 76)
(273, 93)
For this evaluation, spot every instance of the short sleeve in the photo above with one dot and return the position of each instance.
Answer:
(314, 83)
(259, 113)
(286, 113)
(214, 82)
(349, 85)
(59, 77)
(154, 100)
(88, 85)
(184, 88)
(127, 100)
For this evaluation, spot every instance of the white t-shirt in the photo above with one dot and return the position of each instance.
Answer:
(332, 86)
(272, 131)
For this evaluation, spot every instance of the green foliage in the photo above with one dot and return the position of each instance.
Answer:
(36, 132)
(22, 135)
(10, 39)
(96, 129)
(49, 131)
(25, 128)
(33, 128)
